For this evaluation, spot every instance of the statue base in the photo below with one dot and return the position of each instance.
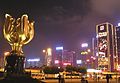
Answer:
(14, 70)
(14, 65)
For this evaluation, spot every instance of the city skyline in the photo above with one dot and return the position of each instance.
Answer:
(59, 23)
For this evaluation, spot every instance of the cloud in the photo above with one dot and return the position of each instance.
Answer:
(105, 7)
(68, 8)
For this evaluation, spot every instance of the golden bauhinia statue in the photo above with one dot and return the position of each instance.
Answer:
(17, 32)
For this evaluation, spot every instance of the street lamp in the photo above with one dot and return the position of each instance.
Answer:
(44, 51)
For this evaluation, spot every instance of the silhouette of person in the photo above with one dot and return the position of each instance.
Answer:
(83, 80)
(59, 78)
(107, 78)
(62, 79)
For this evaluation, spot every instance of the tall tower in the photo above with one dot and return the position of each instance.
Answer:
(107, 47)
(48, 57)
(118, 42)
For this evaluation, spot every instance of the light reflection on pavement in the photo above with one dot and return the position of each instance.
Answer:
(78, 81)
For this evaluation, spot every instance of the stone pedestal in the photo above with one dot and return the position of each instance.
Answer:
(14, 65)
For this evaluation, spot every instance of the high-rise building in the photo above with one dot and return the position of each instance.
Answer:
(118, 42)
(68, 57)
(58, 58)
(64, 57)
(107, 47)
(48, 56)
(32, 63)
(87, 56)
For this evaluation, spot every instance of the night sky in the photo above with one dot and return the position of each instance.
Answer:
(66, 23)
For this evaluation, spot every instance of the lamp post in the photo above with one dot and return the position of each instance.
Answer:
(44, 51)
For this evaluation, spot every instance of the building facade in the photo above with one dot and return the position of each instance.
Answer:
(32, 63)
(64, 57)
(118, 42)
(107, 47)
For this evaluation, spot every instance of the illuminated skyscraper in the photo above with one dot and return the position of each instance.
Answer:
(118, 42)
(49, 57)
(58, 56)
(107, 47)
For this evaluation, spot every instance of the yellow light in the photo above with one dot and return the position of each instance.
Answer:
(6, 53)
(84, 52)
(49, 51)
(44, 51)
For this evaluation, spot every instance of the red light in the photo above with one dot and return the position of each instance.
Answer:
(66, 64)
